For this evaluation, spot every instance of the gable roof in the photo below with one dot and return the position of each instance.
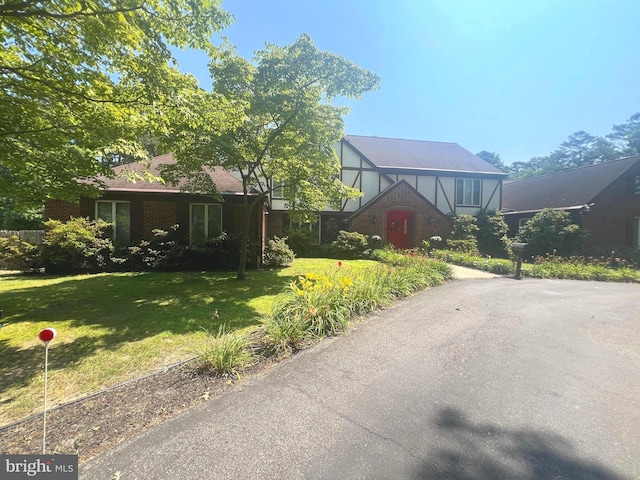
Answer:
(563, 190)
(395, 153)
(225, 182)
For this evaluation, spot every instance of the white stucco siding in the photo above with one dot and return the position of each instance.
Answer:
(491, 194)
(427, 187)
(445, 194)
(349, 158)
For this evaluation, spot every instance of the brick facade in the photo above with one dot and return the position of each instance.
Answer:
(426, 220)
(160, 215)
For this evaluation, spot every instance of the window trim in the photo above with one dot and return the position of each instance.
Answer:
(474, 181)
(636, 190)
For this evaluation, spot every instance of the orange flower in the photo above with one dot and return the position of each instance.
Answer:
(313, 310)
(339, 264)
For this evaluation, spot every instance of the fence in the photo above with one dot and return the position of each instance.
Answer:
(33, 237)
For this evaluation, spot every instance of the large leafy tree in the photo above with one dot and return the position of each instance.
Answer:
(627, 136)
(285, 127)
(83, 81)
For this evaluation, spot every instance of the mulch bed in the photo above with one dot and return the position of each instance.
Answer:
(97, 423)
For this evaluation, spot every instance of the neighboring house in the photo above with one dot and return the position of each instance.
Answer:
(408, 187)
(602, 198)
(136, 209)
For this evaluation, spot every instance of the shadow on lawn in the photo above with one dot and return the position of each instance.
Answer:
(130, 308)
(474, 451)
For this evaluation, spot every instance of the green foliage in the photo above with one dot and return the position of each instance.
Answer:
(494, 159)
(227, 352)
(284, 127)
(277, 253)
(18, 255)
(579, 268)
(491, 235)
(582, 149)
(551, 231)
(15, 217)
(299, 240)
(316, 305)
(166, 251)
(463, 236)
(349, 245)
(499, 266)
(76, 245)
(84, 82)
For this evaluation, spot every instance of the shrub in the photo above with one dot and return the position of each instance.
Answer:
(463, 236)
(18, 255)
(227, 353)
(165, 251)
(76, 245)
(299, 240)
(277, 253)
(549, 231)
(349, 245)
(492, 230)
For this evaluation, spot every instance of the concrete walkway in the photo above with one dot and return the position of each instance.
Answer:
(466, 273)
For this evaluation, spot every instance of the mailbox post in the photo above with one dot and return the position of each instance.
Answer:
(518, 249)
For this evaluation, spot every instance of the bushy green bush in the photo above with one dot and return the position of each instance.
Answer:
(165, 251)
(349, 245)
(76, 245)
(492, 231)
(18, 255)
(299, 240)
(551, 231)
(463, 236)
(277, 253)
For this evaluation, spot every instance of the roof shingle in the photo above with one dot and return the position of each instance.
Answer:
(569, 188)
(395, 153)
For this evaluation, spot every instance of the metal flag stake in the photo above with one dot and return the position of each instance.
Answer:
(46, 336)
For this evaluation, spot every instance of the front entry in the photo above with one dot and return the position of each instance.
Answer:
(399, 228)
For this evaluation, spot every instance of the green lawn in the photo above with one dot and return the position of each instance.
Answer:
(115, 327)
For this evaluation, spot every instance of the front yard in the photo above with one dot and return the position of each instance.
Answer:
(115, 327)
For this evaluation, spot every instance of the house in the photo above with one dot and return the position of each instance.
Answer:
(602, 198)
(136, 209)
(408, 189)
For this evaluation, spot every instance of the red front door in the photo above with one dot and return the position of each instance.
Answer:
(399, 228)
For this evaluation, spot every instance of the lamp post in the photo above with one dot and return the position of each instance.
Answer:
(518, 249)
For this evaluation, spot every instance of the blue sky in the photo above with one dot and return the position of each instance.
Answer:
(513, 77)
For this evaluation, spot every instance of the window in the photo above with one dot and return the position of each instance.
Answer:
(637, 189)
(119, 215)
(312, 228)
(468, 192)
(205, 221)
(277, 190)
(523, 221)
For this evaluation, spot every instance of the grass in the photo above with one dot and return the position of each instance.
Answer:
(115, 327)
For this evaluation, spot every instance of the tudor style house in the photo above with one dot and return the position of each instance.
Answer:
(602, 198)
(408, 188)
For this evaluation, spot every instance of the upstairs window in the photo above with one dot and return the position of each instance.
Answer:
(118, 214)
(205, 222)
(468, 192)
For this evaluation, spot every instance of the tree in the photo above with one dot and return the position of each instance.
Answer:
(582, 149)
(551, 231)
(491, 234)
(627, 136)
(84, 81)
(284, 131)
(494, 159)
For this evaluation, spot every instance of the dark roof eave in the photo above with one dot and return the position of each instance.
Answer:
(536, 210)
(470, 172)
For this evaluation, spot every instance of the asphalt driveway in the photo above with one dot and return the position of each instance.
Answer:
(477, 379)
